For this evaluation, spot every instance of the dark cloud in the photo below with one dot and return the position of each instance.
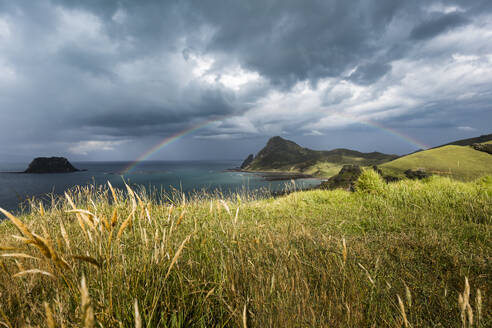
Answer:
(75, 71)
(438, 25)
(290, 41)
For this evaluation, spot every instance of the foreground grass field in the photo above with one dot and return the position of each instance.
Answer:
(408, 254)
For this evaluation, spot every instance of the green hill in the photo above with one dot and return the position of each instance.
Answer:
(486, 138)
(284, 155)
(459, 162)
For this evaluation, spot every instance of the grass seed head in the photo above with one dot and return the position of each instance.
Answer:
(50, 321)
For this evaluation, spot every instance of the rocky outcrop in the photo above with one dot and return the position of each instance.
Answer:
(349, 174)
(282, 154)
(247, 161)
(416, 174)
(50, 165)
(387, 178)
(344, 179)
(487, 148)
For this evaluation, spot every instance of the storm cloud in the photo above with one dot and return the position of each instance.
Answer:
(109, 79)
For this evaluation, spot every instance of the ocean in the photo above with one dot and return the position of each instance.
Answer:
(185, 176)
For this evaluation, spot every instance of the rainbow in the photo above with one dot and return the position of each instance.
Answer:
(192, 129)
(396, 133)
(166, 142)
(376, 125)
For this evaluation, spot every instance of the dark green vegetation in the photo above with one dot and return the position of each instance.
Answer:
(470, 141)
(345, 179)
(284, 155)
(485, 147)
(413, 253)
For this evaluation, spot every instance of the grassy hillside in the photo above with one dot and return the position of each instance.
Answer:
(459, 162)
(284, 155)
(396, 255)
(486, 138)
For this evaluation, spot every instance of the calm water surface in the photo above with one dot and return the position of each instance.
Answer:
(187, 176)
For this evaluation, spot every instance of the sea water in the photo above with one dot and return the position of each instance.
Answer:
(184, 176)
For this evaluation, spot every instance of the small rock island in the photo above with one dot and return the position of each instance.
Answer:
(50, 165)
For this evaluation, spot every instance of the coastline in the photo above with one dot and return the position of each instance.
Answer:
(276, 175)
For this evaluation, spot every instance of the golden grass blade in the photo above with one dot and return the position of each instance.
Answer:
(462, 306)
(110, 240)
(469, 314)
(4, 317)
(236, 216)
(113, 193)
(180, 218)
(50, 322)
(87, 310)
(408, 295)
(70, 201)
(105, 223)
(79, 217)
(367, 273)
(45, 246)
(147, 214)
(87, 259)
(124, 225)
(132, 197)
(466, 292)
(81, 211)
(225, 206)
(19, 255)
(176, 256)
(41, 209)
(402, 310)
(8, 248)
(344, 251)
(140, 202)
(245, 319)
(171, 209)
(65, 235)
(42, 245)
(114, 218)
(4, 267)
(210, 292)
(478, 304)
(86, 215)
(33, 271)
(18, 223)
(23, 240)
(19, 266)
(138, 318)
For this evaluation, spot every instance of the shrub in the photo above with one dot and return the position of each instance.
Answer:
(370, 182)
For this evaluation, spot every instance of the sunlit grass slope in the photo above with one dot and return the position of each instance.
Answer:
(408, 254)
(459, 162)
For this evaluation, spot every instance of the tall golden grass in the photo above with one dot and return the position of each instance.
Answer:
(105, 257)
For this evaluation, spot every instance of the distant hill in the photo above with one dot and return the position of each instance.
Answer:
(280, 154)
(456, 159)
(468, 142)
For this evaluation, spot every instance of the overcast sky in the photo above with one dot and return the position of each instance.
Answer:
(103, 80)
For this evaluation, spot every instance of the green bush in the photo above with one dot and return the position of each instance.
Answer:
(370, 182)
